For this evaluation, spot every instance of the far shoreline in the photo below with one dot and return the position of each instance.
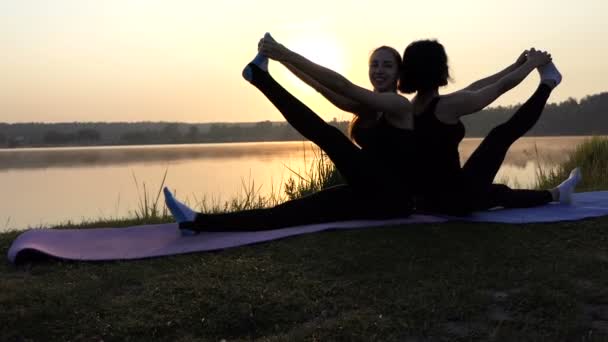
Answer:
(101, 146)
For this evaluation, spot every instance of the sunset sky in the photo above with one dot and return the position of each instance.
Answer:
(181, 60)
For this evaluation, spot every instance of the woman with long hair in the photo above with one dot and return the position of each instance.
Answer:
(375, 187)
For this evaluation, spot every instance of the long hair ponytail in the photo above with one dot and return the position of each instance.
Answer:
(356, 122)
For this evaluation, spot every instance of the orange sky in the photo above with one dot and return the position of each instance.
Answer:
(128, 60)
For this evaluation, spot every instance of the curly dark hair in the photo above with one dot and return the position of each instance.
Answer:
(424, 67)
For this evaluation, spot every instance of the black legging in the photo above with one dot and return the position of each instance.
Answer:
(482, 166)
(477, 192)
(372, 191)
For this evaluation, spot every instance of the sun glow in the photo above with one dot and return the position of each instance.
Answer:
(321, 50)
(138, 60)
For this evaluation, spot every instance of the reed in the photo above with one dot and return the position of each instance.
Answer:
(591, 157)
(319, 175)
(147, 208)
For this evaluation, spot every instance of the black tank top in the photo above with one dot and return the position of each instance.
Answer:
(391, 145)
(438, 163)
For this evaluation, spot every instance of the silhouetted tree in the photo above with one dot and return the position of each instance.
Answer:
(171, 133)
(88, 135)
(138, 137)
(587, 116)
(192, 133)
(54, 137)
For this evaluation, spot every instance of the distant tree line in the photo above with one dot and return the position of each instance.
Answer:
(218, 133)
(586, 117)
(82, 136)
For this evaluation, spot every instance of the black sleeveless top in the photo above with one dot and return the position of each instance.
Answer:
(438, 162)
(390, 145)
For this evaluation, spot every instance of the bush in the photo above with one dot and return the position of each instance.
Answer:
(591, 157)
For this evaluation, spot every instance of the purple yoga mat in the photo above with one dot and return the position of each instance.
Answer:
(165, 239)
(159, 240)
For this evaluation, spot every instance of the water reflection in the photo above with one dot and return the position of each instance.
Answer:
(42, 158)
(48, 186)
(543, 150)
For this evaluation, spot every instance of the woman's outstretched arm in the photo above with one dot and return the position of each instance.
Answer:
(464, 102)
(484, 82)
(339, 101)
(393, 105)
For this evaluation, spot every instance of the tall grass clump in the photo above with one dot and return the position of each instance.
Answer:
(249, 198)
(148, 204)
(321, 174)
(591, 157)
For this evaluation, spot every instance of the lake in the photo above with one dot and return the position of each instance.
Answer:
(47, 186)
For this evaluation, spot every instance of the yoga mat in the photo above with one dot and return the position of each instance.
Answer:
(584, 205)
(165, 239)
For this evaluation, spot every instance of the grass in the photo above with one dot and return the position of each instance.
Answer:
(434, 282)
(147, 209)
(591, 156)
(320, 174)
(249, 198)
(469, 282)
